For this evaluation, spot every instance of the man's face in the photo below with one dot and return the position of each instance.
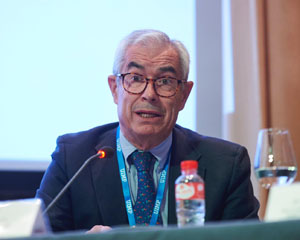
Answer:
(147, 119)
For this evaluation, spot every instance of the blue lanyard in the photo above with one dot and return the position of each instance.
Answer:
(125, 185)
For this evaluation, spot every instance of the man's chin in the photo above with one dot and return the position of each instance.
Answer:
(155, 132)
(146, 131)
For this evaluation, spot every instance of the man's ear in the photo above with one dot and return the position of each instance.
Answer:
(185, 94)
(112, 82)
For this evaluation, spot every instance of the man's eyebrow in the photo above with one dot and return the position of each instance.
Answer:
(167, 69)
(161, 69)
(135, 65)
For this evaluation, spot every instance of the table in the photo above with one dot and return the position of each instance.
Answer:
(252, 230)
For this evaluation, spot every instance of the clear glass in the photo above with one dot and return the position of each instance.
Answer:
(275, 161)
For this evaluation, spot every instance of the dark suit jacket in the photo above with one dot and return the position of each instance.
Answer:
(96, 196)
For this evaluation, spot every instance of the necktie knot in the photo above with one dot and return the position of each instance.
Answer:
(142, 160)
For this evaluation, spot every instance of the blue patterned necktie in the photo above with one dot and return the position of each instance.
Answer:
(146, 193)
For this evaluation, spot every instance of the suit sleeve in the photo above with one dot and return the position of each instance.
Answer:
(240, 202)
(54, 179)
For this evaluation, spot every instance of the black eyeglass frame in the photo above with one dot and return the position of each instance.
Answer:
(122, 75)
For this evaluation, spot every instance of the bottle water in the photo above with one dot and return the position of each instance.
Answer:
(190, 196)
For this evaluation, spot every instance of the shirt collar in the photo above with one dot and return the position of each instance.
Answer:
(160, 152)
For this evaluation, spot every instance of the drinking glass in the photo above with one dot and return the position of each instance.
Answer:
(275, 161)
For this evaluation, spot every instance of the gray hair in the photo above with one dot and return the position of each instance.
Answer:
(152, 38)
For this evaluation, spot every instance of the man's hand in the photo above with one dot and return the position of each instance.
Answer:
(99, 228)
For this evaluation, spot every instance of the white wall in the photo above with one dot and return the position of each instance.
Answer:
(209, 67)
(55, 57)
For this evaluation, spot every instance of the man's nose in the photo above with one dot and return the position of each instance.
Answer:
(150, 93)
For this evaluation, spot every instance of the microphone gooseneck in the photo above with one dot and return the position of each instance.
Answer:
(105, 152)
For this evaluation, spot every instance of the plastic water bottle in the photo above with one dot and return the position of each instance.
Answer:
(190, 196)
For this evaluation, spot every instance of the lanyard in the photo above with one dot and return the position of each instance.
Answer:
(126, 191)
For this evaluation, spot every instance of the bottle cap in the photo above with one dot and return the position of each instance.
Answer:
(188, 164)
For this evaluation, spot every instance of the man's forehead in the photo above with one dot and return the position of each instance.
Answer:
(165, 58)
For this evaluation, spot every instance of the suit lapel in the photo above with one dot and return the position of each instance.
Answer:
(183, 148)
(107, 184)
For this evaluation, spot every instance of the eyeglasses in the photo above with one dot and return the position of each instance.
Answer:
(136, 84)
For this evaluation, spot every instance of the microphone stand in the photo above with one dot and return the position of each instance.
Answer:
(100, 153)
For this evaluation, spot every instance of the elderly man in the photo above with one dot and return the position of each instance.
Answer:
(149, 85)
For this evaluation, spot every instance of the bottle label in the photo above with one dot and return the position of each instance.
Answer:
(189, 191)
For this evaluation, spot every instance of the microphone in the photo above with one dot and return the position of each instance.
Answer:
(105, 152)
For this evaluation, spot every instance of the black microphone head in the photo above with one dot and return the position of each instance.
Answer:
(108, 152)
